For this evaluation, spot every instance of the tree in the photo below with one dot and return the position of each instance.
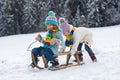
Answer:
(113, 10)
(11, 17)
(27, 16)
(71, 7)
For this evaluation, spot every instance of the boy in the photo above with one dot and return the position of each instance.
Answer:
(51, 43)
(75, 37)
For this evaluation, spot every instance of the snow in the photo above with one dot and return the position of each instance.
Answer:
(14, 59)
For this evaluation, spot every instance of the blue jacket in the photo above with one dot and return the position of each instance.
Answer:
(55, 47)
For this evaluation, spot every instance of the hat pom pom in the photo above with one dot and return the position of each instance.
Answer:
(62, 20)
(51, 13)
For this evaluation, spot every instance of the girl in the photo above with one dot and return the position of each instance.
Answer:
(51, 43)
(75, 37)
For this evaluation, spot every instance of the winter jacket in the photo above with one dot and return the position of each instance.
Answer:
(81, 35)
(55, 47)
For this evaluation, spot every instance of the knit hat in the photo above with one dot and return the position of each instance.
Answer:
(64, 25)
(51, 19)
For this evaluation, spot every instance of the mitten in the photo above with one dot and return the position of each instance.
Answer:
(38, 38)
(54, 41)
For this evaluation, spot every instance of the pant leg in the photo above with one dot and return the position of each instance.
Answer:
(80, 54)
(90, 52)
(79, 46)
(48, 53)
(88, 49)
(37, 51)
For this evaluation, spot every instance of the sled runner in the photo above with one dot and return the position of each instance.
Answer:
(64, 66)
(34, 62)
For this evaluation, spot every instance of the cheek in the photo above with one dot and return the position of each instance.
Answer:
(51, 27)
(65, 34)
(48, 27)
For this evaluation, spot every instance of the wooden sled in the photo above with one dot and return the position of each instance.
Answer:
(76, 55)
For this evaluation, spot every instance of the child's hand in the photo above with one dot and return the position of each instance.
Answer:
(54, 41)
(38, 38)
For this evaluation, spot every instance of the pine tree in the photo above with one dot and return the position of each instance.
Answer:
(93, 13)
(11, 17)
(113, 10)
(26, 16)
(1, 17)
(71, 7)
(103, 16)
(27, 19)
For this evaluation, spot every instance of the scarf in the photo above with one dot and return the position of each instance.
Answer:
(50, 35)
(69, 39)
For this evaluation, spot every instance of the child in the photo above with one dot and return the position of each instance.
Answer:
(75, 37)
(51, 43)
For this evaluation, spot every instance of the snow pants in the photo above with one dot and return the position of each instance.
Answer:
(47, 52)
(89, 50)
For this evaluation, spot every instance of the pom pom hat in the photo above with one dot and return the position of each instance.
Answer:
(51, 19)
(64, 25)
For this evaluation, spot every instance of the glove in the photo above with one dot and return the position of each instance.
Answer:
(54, 41)
(62, 49)
(38, 38)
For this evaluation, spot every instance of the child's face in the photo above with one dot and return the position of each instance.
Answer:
(49, 26)
(66, 33)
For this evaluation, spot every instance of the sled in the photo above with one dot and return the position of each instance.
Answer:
(45, 61)
(60, 54)
(63, 66)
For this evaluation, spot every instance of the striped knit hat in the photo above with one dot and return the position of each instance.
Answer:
(51, 19)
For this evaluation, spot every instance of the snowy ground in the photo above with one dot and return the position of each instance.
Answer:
(14, 59)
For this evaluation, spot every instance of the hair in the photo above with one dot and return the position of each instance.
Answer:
(55, 27)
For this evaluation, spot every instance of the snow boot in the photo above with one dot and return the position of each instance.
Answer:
(36, 61)
(55, 65)
(93, 58)
(80, 57)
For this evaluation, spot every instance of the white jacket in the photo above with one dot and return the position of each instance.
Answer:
(81, 35)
